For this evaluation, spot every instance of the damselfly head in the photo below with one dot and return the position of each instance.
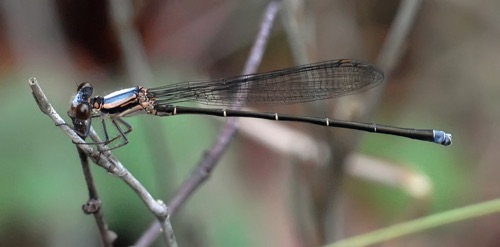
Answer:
(80, 106)
(80, 111)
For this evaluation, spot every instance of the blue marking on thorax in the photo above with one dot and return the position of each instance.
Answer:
(121, 96)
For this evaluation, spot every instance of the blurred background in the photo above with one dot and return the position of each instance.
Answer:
(271, 188)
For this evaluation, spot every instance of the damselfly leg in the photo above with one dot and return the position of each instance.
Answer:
(116, 121)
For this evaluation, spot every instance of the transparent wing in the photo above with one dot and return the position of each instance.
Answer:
(285, 86)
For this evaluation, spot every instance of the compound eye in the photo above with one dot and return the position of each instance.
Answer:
(83, 85)
(82, 111)
(84, 91)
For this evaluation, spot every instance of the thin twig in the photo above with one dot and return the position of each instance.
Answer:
(107, 161)
(203, 170)
(93, 205)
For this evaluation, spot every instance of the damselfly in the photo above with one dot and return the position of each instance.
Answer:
(286, 86)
